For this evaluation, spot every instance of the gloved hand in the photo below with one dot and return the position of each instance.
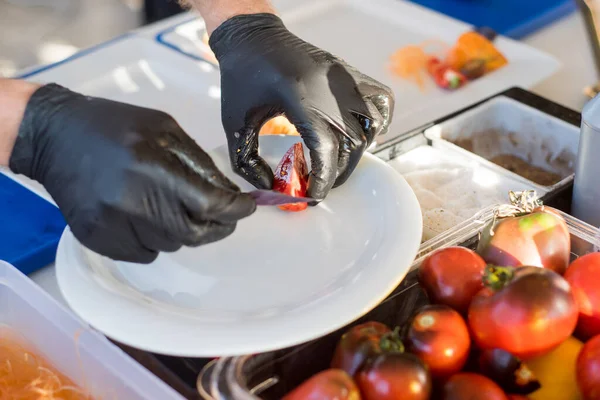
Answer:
(129, 181)
(267, 71)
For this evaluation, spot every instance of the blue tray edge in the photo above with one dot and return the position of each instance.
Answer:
(542, 20)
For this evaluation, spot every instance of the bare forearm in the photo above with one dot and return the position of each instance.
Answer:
(215, 12)
(14, 96)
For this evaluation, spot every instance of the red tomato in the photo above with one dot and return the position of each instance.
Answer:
(439, 336)
(392, 376)
(526, 311)
(452, 276)
(444, 76)
(362, 342)
(331, 384)
(538, 239)
(588, 369)
(517, 397)
(471, 386)
(291, 177)
(584, 277)
(508, 371)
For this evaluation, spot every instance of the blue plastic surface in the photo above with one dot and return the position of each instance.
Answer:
(512, 18)
(30, 227)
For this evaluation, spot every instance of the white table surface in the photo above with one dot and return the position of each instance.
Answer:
(565, 39)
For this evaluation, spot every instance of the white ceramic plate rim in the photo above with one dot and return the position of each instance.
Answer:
(110, 311)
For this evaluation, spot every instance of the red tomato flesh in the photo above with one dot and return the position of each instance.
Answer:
(588, 369)
(452, 276)
(291, 177)
(439, 336)
(584, 277)
(331, 384)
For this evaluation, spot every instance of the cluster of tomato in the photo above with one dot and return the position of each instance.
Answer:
(506, 322)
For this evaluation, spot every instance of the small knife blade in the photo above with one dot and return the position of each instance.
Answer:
(272, 198)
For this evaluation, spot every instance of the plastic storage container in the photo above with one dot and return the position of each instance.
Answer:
(453, 183)
(508, 135)
(271, 375)
(80, 353)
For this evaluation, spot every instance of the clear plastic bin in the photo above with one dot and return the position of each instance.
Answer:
(271, 375)
(530, 145)
(82, 354)
(530, 136)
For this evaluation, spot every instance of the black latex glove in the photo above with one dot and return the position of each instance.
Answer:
(129, 181)
(267, 71)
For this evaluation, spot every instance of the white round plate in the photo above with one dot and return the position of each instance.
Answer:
(279, 280)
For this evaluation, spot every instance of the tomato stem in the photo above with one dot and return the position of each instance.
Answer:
(496, 277)
(391, 342)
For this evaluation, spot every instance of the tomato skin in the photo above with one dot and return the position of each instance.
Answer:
(532, 314)
(588, 369)
(452, 276)
(508, 371)
(471, 386)
(331, 384)
(584, 277)
(439, 336)
(357, 345)
(392, 376)
(539, 239)
(291, 177)
(517, 397)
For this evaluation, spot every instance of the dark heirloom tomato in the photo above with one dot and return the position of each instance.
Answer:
(508, 371)
(393, 376)
(331, 384)
(526, 311)
(517, 397)
(537, 239)
(439, 336)
(584, 277)
(452, 276)
(362, 342)
(469, 386)
(291, 177)
(588, 370)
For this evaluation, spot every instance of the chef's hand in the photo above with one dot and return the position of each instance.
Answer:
(267, 71)
(129, 181)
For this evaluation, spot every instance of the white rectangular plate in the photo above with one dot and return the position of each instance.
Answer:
(138, 71)
(367, 33)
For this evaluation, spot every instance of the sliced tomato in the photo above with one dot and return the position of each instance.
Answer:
(291, 177)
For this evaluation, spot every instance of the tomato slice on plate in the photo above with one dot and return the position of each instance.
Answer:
(291, 177)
